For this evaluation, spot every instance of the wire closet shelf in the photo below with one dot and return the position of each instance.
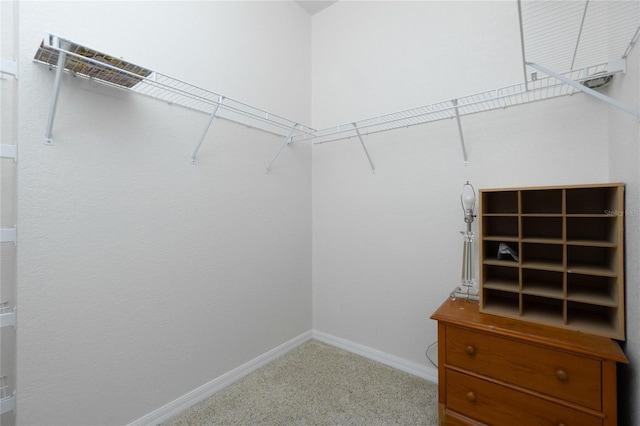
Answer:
(517, 94)
(88, 63)
(590, 38)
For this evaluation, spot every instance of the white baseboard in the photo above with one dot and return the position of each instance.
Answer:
(424, 371)
(207, 390)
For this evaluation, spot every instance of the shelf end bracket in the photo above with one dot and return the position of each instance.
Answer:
(586, 90)
(9, 235)
(62, 57)
(286, 142)
(9, 151)
(194, 154)
(464, 149)
(364, 147)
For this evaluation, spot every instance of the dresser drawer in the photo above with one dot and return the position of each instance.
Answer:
(563, 375)
(498, 405)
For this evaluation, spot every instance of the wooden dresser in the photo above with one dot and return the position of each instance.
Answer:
(503, 371)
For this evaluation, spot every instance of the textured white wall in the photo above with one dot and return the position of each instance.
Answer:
(378, 57)
(624, 161)
(386, 247)
(143, 276)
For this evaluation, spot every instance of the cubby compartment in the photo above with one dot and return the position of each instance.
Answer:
(543, 283)
(501, 202)
(570, 246)
(543, 309)
(500, 228)
(490, 253)
(542, 228)
(590, 260)
(595, 318)
(547, 257)
(542, 201)
(593, 200)
(594, 289)
(592, 230)
(502, 278)
(501, 302)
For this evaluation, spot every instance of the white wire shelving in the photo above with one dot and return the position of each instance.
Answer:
(569, 35)
(590, 38)
(517, 94)
(81, 61)
(7, 400)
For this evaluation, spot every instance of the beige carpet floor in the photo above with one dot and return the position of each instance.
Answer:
(319, 384)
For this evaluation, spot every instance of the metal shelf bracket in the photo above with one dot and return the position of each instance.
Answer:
(206, 129)
(9, 235)
(364, 147)
(286, 142)
(464, 149)
(56, 42)
(8, 404)
(10, 67)
(85, 62)
(9, 151)
(586, 90)
(8, 319)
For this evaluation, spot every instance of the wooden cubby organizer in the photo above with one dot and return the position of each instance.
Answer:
(569, 265)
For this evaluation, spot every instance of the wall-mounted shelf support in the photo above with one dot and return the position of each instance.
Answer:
(8, 235)
(586, 90)
(464, 149)
(9, 151)
(8, 319)
(206, 129)
(48, 136)
(286, 142)
(84, 62)
(8, 66)
(364, 147)
(7, 403)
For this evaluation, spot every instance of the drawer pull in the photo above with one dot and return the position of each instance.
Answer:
(471, 396)
(562, 375)
(470, 350)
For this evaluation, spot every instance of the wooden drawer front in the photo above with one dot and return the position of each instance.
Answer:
(451, 418)
(563, 375)
(498, 405)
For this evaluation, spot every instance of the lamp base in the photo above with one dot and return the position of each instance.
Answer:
(466, 291)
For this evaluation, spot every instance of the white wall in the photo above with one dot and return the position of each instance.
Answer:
(142, 276)
(386, 247)
(378, 57)
(624, 160)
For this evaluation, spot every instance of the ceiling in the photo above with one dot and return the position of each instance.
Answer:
(314, 6)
